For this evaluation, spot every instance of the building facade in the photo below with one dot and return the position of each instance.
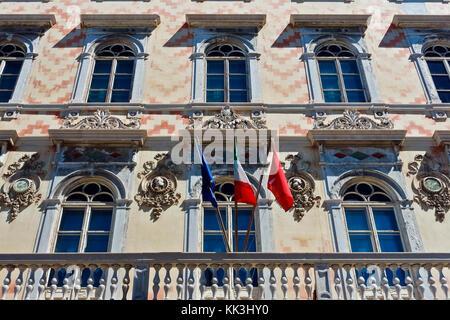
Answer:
(95, 95)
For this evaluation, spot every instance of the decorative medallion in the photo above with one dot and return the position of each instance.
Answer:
(431, 184)
(352, 120)
(101, 120)
(22, 185)
(158, 185)
(227, 119)
(302, 186)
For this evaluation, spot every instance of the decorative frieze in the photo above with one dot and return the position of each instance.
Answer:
(431, 184)
(102, 119)
(352, 120)
(158, 186)
(302, 186)
(23, 179)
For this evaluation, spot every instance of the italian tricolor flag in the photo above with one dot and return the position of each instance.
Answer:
(278, 184)
(243, 191)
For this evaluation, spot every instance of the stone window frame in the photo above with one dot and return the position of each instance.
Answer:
(203, 39)
(418, 42)
(30, 42)
(98, 37)
(353, 39)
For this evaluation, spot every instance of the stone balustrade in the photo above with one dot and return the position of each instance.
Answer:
(236, 276)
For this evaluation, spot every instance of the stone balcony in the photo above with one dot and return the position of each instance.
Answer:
(211, 276)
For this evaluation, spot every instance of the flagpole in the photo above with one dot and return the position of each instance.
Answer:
(253, 212)
(223, 229)
(236, 243)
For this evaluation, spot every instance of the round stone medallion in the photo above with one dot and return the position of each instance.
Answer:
(22, 185)
(432, 184)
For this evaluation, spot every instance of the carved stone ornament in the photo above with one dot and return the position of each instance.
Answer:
(23, 179)
(302, 186)
(431, 184)
(101, 119)
(158, 186)
(352, 120)
(227, 119)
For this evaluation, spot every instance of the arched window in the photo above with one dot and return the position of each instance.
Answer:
(12, 56)
(438, 61)
(226, 74)
(86, 217)
(113, 73)
(370, 219)
(340, 76)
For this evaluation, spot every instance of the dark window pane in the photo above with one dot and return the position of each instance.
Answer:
(215, 66)
(251, 244)
(327, 66)
(238, 96)
(349, 66)
(437, 67)
(356, 96)
(97, 96)
(71, 220)
(97, 243)
(380, 198)
(125, 66)
(213, 243)
(215, 82)
(353, 197)
(122, 82)
(444, 96)
(5, 96)
(215, 96)
(356, 219)
(390, 243)
(67, 243)
(8, 82)
(332, 96)
(211, 221)
(77, 197)
(91, 188)
(243, 219)
(360, 243)
(329, 82)
(238, 82)
(384, 219)
(120, 96)
(237, 66)
(100, 220)
(441, 82)
(99, 82)
(103, 197)
(352, 82)
(102, 66)
(13, 67)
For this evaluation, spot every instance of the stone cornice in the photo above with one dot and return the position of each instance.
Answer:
(442, 137)
(345, 137)
(226, 20)
(38, 21)
(120, 20)
(330, 20)
(9, 136)
(110, 137)
(421, 21)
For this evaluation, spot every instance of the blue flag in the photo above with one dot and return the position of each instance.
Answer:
(208, 184)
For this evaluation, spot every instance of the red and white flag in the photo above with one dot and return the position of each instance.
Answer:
(278, 184)
(243, 191)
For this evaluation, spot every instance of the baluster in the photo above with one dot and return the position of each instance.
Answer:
(90, 282)
(419, 283)
(126, 281)
(77, 281)
(215, 281)
(337, 281)
(249, 282)
(374, 287)
(191, 281)
(384, 283)
(102, 283)
(42, 283)
(431, 281)
(349, 281)
(19, 282)
(7, 281)
(261, 281)
(114, 281)
(443, 281)
(65, 287)
(273, 281)
(226, 281)
(237, 281)
(30, 283)
(408, 281)
(308, 281)
(167, 281)
(156, 281)
(54, 283)
(396, 281)
(180, 281)
(284, 280)
(361, 281)
(202, 284)
(296, 280)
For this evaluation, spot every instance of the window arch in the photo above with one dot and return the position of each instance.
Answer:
(339, 74)
(85, 222)
(437, 57)
(113, 73)
(226, 73)
(12, 56)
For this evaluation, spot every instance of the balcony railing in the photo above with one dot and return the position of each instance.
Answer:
(237, 276)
